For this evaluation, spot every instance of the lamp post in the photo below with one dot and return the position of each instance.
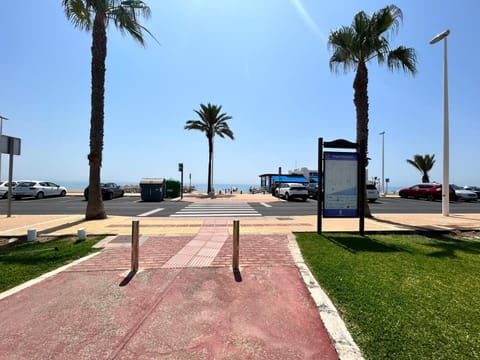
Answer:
(1, 133)
(445, 180)
(383, 161)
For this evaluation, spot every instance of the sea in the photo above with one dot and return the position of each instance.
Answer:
(226, 187)
(80, 185)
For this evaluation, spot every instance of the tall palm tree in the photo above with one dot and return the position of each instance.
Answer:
(354, 46)
(212, 122)
(423, 164)
(95, 16)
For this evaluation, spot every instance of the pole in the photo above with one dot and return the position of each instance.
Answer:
(181, 184)
(10, 179)
(236, 245)
(446, 140)
(383, 162)
(320, 186)
(135, 244)
(1, 133)
(361, 187)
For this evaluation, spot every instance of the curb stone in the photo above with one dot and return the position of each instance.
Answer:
(342, 341)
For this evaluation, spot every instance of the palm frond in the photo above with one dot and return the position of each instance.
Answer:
(341, 41)
(386, 20)
(403, 58)
(78, 13)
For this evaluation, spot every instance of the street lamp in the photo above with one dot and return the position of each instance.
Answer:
(383, 161)
(445, 180)
(1, 127)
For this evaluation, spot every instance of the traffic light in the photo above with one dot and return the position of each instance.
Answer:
(180, 167)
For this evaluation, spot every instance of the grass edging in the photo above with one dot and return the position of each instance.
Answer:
(25, 261)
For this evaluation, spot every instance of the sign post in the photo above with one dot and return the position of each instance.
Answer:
(340, 184)
(180, 168)
(10, 145)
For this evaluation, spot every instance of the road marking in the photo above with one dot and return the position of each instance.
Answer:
(216, 209)
(151, 212)
(266, 205)
(211, 215)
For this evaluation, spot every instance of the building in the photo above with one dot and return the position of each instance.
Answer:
(269, 182)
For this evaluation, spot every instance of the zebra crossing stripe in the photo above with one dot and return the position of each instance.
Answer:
(210, 210)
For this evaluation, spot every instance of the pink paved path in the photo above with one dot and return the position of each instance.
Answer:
(187, 307)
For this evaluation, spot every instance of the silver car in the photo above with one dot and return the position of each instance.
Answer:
(372, 193)
(4, 188)
(464, 195)
(37, 189)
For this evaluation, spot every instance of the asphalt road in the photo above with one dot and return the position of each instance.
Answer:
(133, 206)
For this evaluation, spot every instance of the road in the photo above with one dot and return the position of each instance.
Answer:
(133, 206)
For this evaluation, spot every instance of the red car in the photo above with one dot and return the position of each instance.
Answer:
(429, 191)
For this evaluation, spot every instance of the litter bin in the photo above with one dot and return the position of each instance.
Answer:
(173, 189)
(152, 189)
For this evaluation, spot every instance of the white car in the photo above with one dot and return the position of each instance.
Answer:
(4, 188)
(290, 191)
(37, 189)
(462, 194)
(372, 193)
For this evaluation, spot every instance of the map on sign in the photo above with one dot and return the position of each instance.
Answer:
(340, 184)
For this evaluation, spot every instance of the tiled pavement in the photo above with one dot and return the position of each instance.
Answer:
(212, 246)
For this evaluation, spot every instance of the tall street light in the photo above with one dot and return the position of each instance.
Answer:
(383, 161)
(445, 182)
(1, 127)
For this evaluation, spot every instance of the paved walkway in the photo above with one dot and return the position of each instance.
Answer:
(185, 302)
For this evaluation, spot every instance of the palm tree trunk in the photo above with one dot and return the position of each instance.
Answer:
(360, 86)
(95, 208)
(210, 164)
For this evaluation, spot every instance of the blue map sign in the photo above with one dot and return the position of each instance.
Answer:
(340, 184)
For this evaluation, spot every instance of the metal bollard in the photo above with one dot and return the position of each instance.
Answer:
(135, 244)
(236, 245)
(31, 234)
(82, 234)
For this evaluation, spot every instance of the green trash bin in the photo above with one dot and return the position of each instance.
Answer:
(173, 189)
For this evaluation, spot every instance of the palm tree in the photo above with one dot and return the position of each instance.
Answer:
(95, 16)
(423, 164)
(354, 46)
(212, 122)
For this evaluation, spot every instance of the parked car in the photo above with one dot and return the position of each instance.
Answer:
(109, 191)
(372, 193)
(475, 189)
(464, 195)
(4, 188)
(290, 191)
(37, 189)
(429, 191)
(312, 189)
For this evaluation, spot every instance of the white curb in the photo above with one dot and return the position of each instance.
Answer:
(341, 339)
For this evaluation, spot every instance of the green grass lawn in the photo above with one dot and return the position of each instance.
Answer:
(30, 260)
(402, 296)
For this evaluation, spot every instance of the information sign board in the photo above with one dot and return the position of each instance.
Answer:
(340, 184)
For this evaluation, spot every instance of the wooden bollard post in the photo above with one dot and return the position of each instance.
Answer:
(135, 244)
(236, 245)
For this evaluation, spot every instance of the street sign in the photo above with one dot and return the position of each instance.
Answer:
(10, 145)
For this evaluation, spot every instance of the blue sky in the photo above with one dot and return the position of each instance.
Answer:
(266, 62)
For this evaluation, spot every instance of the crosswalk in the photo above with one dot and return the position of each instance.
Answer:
(216, 209)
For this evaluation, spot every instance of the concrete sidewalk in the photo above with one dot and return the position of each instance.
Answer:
(59, 225)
